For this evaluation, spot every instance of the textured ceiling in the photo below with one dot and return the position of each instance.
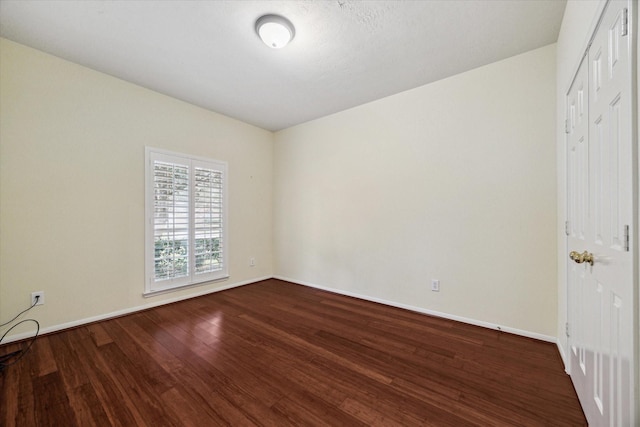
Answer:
(345, 53)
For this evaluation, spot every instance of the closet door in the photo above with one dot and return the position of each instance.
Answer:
(578, 192)
(600, 259)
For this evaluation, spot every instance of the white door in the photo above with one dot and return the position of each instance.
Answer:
(600, 221)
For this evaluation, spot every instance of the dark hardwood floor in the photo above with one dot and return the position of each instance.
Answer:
(276, 354)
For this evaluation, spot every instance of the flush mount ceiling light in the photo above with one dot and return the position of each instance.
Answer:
(275, 31)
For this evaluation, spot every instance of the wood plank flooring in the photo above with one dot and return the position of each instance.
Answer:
(277, 354)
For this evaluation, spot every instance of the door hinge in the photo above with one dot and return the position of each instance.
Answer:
(566, 228)
(625, 240)
(624, 28)
(566, 328)
(566, 125)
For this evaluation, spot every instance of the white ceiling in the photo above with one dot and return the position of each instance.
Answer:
(345, 53)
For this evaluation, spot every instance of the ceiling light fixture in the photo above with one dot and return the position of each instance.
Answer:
(275, 31)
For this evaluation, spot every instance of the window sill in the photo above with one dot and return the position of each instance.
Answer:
(182, 287)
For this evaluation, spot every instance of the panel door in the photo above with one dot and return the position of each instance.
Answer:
(600, 275)
(578, 192)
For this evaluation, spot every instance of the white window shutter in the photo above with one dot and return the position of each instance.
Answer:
(186, 216)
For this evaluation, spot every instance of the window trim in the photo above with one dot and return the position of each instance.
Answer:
(153, 287)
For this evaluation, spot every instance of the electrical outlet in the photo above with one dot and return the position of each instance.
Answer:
(252, 262)
(435, 285)
(40, 299)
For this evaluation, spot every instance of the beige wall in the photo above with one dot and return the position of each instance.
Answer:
(454, 180)
(72, 186)
(577, 25)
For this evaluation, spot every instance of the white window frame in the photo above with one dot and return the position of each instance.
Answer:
(153, 286)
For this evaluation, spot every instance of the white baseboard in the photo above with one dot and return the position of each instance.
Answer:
(563, 355)
(130, 310)
(118, 313)
(475, 322)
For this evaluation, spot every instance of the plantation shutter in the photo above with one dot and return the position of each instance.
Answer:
(208, 225)
(171, 220)
(186, 232)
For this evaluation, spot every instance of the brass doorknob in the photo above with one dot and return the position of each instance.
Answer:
(581, 257)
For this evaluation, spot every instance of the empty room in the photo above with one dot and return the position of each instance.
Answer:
(319, 213)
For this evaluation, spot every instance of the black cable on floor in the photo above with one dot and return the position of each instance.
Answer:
(12, 358)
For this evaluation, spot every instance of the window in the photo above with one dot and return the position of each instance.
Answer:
(186, 220)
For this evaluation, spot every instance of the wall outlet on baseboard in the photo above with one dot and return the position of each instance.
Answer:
(39, 300)
(435, 285)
